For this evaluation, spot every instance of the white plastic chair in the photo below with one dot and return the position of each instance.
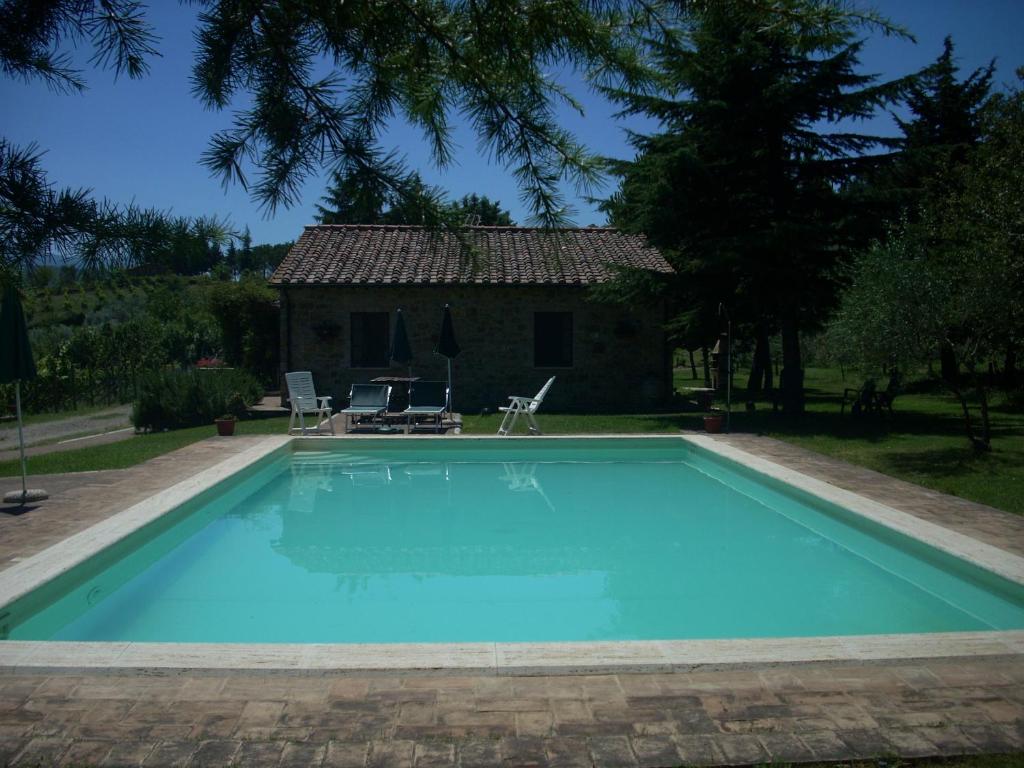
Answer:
(305, 401)
(523, 405)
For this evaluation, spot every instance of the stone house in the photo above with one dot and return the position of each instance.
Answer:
(521, 304)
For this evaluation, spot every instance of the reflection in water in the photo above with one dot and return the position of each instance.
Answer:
(523, 477)
(332, 549)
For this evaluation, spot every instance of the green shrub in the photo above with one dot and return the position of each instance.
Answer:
(172, 399)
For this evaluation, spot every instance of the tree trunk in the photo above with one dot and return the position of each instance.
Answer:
(761, 379)
(986, 432)
(1010, 368)
(707, 365)
(983, 444)
(791, 381)
(693, 364)
(949, 370)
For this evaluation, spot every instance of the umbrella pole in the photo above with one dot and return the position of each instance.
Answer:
(21, 437)
(451, 408)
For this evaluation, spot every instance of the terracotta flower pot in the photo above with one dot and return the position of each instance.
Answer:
(225, 427)
(713, 423)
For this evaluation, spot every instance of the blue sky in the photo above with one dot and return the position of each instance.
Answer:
(140, 140)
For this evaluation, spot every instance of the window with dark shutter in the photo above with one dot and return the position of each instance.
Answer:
(369, 339)
(552, 339)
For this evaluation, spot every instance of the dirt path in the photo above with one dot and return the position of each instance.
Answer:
(67, 434)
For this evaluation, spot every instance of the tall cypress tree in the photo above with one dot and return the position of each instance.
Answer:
(741, 185)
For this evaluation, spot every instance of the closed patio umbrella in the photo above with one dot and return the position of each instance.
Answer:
(447, 346)
(401, 351)
(17, 365)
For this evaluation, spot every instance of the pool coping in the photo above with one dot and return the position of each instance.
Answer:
(501, 658)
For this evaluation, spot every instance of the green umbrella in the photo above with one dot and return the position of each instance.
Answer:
(447, 346)
(17, 365)
(401, 350)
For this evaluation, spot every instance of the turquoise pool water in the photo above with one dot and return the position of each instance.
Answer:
(492, 541)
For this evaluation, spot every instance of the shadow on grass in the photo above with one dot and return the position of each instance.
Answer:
(939, 463)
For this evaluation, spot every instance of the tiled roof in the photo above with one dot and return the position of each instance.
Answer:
(355, 254)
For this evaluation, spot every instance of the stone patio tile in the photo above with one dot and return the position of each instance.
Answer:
(128, 753)
(511, 704)
(825, 745)
(198, 688)
(617, 715)
(655, 751)
(416, 713)
(479, 753)
(742, 749)
(8, 749)
(348, 688)
(908, 742)
(171, 754)
(523, 753)
(214, 727)
(700, 749)
(603, 687)
(41, 751)
(468, 717)
(346, 754)
(83, 752)
(396, 753)
(995, 738)
(259, 753)
(57, 685)
(949, 739)
(169, 732)
(16, 733)
(530, 724)
(866, 743)
(214, 753)
(302, 755)
(261, 713)
(567, 752)
(785, 748)
(611, 752)
(571, 711)
(433, 755)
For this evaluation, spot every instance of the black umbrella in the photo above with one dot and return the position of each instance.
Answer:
(447, 346)
(401, 352)
(17, 365)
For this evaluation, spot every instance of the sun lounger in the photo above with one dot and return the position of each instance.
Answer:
(366, 400)
(426, 398)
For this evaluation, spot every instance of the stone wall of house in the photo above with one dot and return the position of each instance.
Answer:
(620, 358)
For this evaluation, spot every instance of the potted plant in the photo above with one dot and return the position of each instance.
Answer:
(226, 424)
(713, 423)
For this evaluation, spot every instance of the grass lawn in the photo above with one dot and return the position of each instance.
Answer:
(136, 450)
(923, 442)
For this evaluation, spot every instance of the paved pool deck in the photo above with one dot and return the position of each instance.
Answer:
(794, 712)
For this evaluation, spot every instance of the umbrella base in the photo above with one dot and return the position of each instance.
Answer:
(19, 497)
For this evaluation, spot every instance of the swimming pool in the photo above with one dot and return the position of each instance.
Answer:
(474, 541)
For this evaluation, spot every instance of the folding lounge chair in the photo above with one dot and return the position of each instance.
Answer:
(524, 405)
(305, 402)
(426, 398)
(366, 400)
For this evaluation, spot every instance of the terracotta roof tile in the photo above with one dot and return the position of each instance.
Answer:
(350, 254)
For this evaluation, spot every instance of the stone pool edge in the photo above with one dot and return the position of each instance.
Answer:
(602, 657)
